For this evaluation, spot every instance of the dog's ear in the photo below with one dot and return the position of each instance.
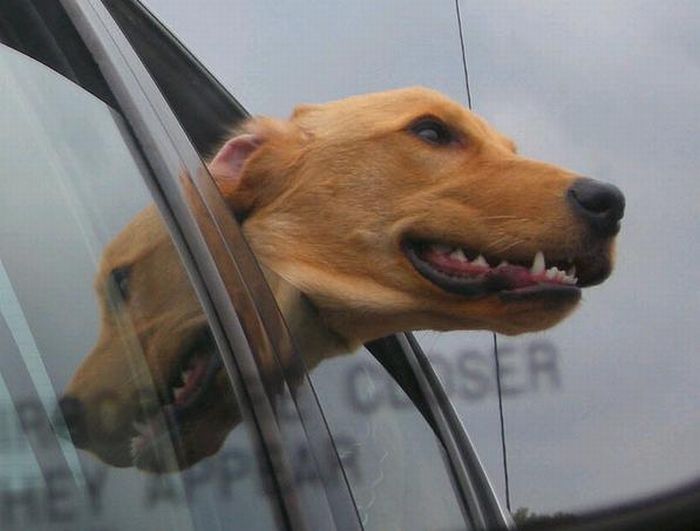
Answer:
(227, 165)
(249, 167)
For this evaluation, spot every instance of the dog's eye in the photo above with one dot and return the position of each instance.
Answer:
(432, 131)
(120, 280)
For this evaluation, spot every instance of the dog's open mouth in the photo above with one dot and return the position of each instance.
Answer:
(187, 392)
(469, 273)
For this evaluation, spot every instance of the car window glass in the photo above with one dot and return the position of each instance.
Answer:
(97, 310)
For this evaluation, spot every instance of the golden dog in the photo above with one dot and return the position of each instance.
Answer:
(392, 211)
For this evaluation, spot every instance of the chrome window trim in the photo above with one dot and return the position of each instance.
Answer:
(480, 495)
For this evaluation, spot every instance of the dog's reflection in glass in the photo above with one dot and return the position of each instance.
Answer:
(152, 393)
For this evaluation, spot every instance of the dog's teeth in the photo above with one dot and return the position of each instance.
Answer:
(458, 254)
(185, 375)
(571, 271)
(551, 273)
(538, 264)
(481, 261)
(503, 263)
(561, 275)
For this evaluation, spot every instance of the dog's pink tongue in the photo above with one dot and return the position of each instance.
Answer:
(513, 276)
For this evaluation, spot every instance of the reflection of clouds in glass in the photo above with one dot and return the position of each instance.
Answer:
(74, 185)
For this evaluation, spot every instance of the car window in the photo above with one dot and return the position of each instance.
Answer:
(115, 412)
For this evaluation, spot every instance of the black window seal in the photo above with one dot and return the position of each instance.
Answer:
(41, 29)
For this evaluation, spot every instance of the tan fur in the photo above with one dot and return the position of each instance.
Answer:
(326, 200)
(331, 193)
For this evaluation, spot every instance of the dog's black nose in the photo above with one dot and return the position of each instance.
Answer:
(73, 413)
(600, 205)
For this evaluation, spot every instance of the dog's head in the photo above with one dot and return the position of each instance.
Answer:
(151, 393)
(403, 210)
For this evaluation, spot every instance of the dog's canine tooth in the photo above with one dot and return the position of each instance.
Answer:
(458, 254)
(481, 261)
(538, 264)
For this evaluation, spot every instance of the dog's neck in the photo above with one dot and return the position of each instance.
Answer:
(311, 335)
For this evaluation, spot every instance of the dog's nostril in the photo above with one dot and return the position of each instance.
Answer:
(70, 413)
(600, 205)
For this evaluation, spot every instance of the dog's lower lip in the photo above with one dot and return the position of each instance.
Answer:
(549, 292)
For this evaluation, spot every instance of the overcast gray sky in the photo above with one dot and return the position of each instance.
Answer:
(609, 89)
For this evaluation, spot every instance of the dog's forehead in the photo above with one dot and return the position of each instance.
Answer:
(144, 233)
(388, 110)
